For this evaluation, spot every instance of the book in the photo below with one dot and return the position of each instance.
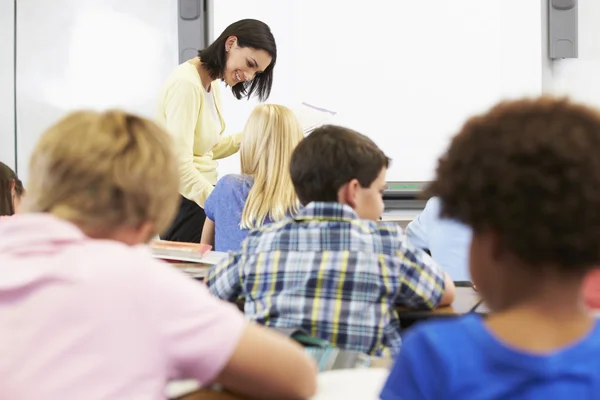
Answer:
(193, 270)
(330, 358)
(179, 251)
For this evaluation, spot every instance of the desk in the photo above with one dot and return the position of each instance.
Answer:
(402, 217)
(207, 394)
(466, 300)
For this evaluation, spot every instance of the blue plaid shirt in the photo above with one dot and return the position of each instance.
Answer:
(333, 274)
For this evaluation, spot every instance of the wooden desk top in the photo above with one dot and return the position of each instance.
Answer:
(465, 301)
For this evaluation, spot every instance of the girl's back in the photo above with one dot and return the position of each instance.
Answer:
(225, 205)
(264, 193)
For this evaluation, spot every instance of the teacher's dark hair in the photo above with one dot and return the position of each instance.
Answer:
(250, 33)
(7, 177)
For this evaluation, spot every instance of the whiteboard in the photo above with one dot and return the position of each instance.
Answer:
(405, 73)
(95, 54)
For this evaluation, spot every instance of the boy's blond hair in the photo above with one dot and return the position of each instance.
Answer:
(104, 171)
(270, 137)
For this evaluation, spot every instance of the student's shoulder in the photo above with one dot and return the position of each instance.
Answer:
(232, 185)
(387, 228)
(389, 234)
(433, 351)
(593, 340)
(269, 236)
(279, 227)
(445, 337)
(234, 181)
(433, 205)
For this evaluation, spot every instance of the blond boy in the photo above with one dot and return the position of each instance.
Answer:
(87, 313)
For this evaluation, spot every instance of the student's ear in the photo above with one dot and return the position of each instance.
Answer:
(12, 186)
(347, 193)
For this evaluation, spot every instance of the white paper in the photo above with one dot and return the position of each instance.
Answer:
(351, 384)
(311, 116)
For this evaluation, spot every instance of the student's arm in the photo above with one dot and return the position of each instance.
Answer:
(208, 232)
(210, 209)
(423, 284)
(208, 340)
(224, 279)
(181, 112)
(418, 373)
(227, 146)
(449, 291)
(289, 372)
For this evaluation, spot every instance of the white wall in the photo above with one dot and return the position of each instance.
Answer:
(579, 78)
(7, 128)
(546, 62)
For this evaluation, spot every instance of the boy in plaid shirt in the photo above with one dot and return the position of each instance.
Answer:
(333, 270)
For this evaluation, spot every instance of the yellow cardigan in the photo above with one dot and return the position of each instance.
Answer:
(199, 141)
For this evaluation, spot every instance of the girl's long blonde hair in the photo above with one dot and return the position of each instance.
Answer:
(270, 136)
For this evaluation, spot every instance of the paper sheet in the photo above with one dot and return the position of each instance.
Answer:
(311, 116)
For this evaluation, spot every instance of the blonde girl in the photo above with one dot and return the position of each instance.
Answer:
(263, 193)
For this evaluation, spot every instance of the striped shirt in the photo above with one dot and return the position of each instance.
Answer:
(332, 274)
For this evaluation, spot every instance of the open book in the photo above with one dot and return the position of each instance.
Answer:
(311, 116)
(179, 252)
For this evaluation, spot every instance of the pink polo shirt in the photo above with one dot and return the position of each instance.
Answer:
(96, 319)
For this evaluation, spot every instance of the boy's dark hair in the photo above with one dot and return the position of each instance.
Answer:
(330, 157)
(250, 33)
(7, 177)
(529, 171)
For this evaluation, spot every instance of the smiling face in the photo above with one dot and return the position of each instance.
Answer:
(243, 63)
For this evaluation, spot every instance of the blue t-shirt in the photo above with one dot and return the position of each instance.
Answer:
(224, 207)
(460, 359)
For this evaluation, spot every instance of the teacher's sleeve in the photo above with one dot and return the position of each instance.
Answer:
(227, 146)
(182, 107)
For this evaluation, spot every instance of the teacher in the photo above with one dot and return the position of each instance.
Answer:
(243, 56)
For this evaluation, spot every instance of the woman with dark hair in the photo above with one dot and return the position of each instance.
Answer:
(11, 191)
(243, 56)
